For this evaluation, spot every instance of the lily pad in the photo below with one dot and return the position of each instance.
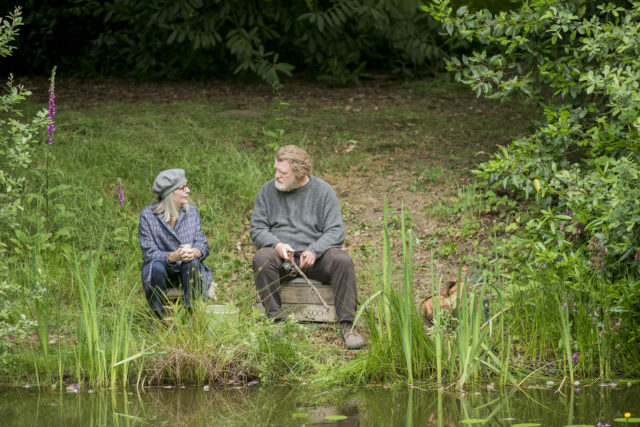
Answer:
(474, 421)
(335, 417)
(627, 420)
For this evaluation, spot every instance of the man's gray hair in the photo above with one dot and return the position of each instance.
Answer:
(297, 158)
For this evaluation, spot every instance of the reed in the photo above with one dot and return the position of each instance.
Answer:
(104, 351)
(565, 332)
(397, 334)
(91, 352)
(438, 329)
(121, 341)
(386, 288)
(405, 307)
(470, 335)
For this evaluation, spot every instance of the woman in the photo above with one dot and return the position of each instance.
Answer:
(173, 245)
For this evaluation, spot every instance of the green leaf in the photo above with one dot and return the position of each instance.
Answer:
(449, 27)
(335, 417)
(172, 36)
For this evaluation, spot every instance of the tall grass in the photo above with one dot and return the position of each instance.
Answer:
(104, 353)
(471, 335)
(405, 308)
(91, 351)
(400, 347)
(465, 337)
(565, 333)
(456, 348)
(437, 329)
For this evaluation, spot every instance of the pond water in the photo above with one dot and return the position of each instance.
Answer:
(301, 405)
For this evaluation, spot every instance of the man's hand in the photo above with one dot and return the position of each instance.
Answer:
(307, 259)
(284, 250)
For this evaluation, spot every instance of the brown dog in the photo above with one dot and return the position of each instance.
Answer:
(448, 298)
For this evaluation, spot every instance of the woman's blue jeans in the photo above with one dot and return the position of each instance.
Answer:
(161, 278)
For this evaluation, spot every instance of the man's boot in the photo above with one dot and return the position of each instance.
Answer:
(352, 338)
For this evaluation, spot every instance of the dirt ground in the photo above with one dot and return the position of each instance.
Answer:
(361, 188)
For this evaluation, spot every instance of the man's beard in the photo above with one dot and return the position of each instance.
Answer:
(287, 186)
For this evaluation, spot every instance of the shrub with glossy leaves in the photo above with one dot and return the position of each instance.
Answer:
(579, 170)
(580, 61)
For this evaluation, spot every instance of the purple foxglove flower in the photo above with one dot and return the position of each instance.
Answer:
(51, 126)
(121, 195)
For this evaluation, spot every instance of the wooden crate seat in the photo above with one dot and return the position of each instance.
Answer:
(298, 298)
(174, 293)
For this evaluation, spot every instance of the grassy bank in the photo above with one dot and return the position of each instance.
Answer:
(73, 264)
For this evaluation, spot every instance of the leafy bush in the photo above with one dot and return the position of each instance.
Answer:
(580, 61)
(16, 136)
(16, 143)
(336, 40)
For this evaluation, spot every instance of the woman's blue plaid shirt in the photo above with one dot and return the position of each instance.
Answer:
(158, 239)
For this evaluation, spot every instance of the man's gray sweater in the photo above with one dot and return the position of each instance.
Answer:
(306, 218)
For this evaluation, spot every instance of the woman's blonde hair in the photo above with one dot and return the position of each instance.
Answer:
(297, 158)
(168, 207)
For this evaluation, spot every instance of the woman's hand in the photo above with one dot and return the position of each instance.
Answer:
(187, 253)
(184, 253)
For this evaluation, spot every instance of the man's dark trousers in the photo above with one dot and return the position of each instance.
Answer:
(334, 267)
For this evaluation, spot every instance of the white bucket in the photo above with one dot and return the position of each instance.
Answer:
(221, 315)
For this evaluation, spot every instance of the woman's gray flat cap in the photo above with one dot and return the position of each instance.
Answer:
(167, 181)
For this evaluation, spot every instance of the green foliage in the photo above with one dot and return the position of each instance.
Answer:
(493, 5)
(580, 61)
(14, 324)
(335, 40)
(17, 139)
(16, 136)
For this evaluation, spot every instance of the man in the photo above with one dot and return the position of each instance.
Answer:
(297, 215)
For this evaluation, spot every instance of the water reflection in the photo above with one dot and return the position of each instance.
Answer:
(400, 406)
